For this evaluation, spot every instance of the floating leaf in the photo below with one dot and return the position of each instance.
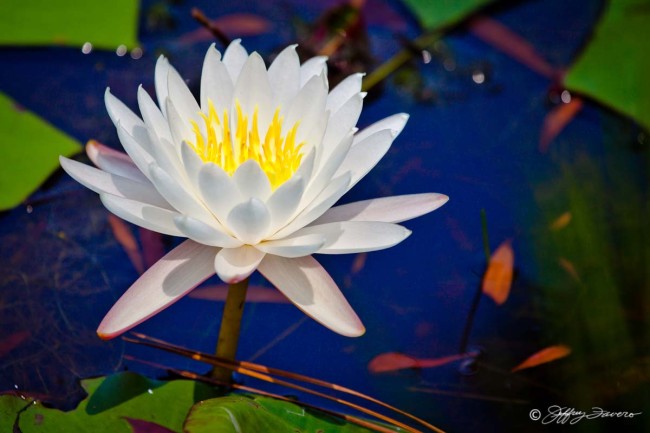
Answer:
(30, 150)
(235, 414)
(393, 361)
(613, 69)
(113, 403)
(498, 276)
(437, 13)
(69, 22)
(549, 354)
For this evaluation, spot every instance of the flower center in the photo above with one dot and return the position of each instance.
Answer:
(279, 156)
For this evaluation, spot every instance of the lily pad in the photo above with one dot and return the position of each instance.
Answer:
(235, 414)
(29, 153)
(69, 22)
(115, 404)
(437, 13)
(613, 68)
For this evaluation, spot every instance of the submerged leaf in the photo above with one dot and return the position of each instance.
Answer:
(498, 276)
(548, 354)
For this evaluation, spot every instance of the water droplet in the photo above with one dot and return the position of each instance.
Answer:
(642, 138)
(121, 50)
(468, 367)
(565, 96)
(478, 77)
(449, 65)
(426, 57)
(136, 53)
(150, 391)
(29, 208)
(87, 48)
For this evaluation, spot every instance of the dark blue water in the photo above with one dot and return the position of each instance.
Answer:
(62, 268)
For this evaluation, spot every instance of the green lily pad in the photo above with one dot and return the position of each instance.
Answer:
(69, 22)
(29, 153)
(613, 68)
(437, 13)
(114, 403)
(235, 414)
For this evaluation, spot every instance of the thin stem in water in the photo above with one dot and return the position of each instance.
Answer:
(230, 325)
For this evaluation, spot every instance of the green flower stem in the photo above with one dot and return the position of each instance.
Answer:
(230, 325)
(403, 56)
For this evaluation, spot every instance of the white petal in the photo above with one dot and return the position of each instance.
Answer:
(180, 127)
(356, 236)
(114, 162)
(203, 233)
(141, 214)
(138, 150)
(121, 114)
(252, 181)
(304, 281)
(394, 123)
(253, 91)
(308, 107)
(183, 99)
(103, 182)
(347, 88)
(327, 171)
(192, 163)
(235, 264)
(284, 201)
(218, 190)
(249, 221)
(152, 116)
(284, 76)
(216, 84)
(182, 200)
(297, 246)
(387, 209)
(326, 199)
(164, 283)
(363, 156)
(341, 123)
(234, 59)
(312, 68)
(162, 69)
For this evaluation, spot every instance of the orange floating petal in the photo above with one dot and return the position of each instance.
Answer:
(556, 120)
(549, 354)
(125, 238)
(392, 361)
(561, 221)
(498, 276)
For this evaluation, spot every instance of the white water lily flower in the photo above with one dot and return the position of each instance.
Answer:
(249, 175)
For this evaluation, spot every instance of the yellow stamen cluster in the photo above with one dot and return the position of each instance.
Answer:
(279, 156)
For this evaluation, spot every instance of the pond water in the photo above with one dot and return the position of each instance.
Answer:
(474, 135)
